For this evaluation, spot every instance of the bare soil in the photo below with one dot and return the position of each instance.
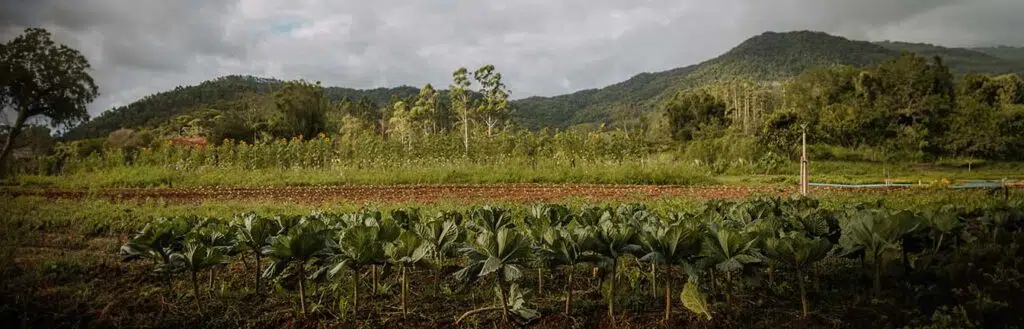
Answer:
(417, 193)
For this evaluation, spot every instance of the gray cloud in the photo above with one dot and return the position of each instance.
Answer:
(542, 47)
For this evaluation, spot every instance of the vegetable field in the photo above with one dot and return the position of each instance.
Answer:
(755, 262)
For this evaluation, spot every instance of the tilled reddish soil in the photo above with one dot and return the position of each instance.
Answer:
(412, 193)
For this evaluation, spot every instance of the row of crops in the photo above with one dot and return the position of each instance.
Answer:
(688, 258)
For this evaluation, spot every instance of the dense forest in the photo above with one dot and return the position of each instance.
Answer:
(911, 107)
(225, 94)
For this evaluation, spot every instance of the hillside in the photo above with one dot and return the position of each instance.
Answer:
(961, 60)
(218, 93)
(767, 57)
(1005, 52)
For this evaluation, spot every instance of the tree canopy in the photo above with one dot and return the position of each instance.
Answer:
(43, 78)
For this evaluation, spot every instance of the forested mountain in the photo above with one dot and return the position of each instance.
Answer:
(962, 60)
(766, 57)
(224, 93)
(1004, 52)
(770, 56)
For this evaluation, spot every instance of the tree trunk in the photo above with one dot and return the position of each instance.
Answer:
(490, 124)
(568, 293)
(212, 271)
(465, 129)
(771, 274)
(19, 122)
(803, 290)
(302, 290)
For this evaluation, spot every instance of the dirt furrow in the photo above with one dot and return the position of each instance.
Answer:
(409, 193)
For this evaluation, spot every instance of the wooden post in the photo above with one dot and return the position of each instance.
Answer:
(803, 161)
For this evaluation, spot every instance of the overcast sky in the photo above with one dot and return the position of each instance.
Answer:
(542, 47)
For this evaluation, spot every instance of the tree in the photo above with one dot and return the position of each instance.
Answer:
(495, 107)
(913, 97)
(41, 78)
(424, 111)
(401, 121)
(254, 111)
(460, 101)
(695, 114)
(303, 108)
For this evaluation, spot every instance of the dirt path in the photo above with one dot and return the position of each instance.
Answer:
(411, 193)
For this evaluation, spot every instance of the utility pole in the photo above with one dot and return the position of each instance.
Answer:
(803, 161)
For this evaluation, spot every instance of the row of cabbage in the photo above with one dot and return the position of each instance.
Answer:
(711, 250)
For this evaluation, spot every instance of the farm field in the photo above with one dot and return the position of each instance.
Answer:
(68, 260)
(798, 179)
